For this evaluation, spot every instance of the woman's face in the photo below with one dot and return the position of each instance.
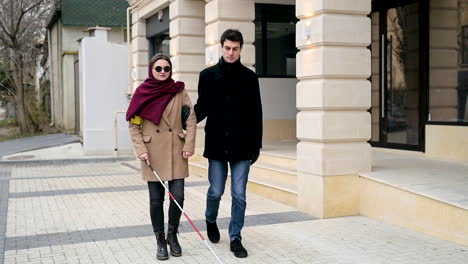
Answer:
(161, 70)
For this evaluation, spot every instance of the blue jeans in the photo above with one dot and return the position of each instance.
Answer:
(217, 175)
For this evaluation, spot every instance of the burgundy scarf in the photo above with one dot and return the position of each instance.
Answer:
(152, 97)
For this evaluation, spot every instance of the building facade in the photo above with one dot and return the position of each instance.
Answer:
(67, 25)
(339, 77)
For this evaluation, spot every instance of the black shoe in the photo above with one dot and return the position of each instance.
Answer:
(238, 249)
(213, 232)
(162, 246)
(172, 232)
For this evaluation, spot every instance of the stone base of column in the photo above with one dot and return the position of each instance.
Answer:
(328, 196)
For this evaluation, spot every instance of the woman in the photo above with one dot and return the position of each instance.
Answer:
(156, 131)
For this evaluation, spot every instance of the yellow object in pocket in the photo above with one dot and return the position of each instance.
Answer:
(137, 120)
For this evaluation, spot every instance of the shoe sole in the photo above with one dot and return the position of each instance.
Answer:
(162, 258)
(242, 256)
(175, 254)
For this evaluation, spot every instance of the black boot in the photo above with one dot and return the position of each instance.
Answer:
(162, 246)
(172, 232)
(213, 231)
(238, 249)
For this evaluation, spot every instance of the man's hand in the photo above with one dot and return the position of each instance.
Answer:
(255, 157)
(144, 156)
(186, 154)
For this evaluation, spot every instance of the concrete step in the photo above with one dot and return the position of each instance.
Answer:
(278, 160)
(281, 187)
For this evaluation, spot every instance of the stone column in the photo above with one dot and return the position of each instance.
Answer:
(333, 97)
(139, 51)
(224, 14)
(187, 32)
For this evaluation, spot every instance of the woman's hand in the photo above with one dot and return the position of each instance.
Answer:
(186, 154)
(144, 156)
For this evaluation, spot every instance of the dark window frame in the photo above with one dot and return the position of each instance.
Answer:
(264, 54)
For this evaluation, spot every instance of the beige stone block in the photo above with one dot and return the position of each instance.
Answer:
(186, 8)
(409, 210)
(279, 129)
(214, 52)
(443, 58)
(140, 59)
(139, 29)
(187, 26)
(443, 97)
(447, 142)
(334, 28)
(214, 31)
(443, 4)
(334, 125)
(443, 78)
(443, 38)
(333, 61)
(187, 45)
(310, 198)
(149, 8)
(188, 64)
(341, 196)
(333, 94)
(190, 80)
(375, 132)
(307, 8)
(240, 10)
(443, 18)
(139, 44)
(333, 158)
(141, 72)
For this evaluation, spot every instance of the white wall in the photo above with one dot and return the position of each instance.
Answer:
(71, 35)
(104, 79)
(278, 98)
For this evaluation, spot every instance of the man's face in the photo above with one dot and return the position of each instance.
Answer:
(231, 51)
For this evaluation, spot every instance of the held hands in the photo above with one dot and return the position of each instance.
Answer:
(186, 154)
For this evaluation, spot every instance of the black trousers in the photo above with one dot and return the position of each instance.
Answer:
(156, 196)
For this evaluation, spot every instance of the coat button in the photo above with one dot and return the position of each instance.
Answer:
(157, 131)
(170, 129)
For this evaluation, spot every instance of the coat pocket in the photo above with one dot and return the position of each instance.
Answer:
(146, 139)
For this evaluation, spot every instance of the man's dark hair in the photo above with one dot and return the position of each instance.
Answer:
(233, 35)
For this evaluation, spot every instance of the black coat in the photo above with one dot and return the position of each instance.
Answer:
(229, 97)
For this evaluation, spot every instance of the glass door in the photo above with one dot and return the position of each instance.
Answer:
(397, 76)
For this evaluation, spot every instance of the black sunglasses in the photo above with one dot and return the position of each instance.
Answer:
(159, 69)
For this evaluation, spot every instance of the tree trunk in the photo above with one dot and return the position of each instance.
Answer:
(19, 97)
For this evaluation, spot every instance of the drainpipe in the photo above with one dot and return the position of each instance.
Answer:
(51, 80)
(116, 129)
(129, 84)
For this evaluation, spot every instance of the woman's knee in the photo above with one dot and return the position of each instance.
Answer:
(156, 201)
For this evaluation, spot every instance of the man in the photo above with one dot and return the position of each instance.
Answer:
(229, 98)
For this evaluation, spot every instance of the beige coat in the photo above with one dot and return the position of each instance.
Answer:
(166, 142)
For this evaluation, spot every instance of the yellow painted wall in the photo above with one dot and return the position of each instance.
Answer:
(447, 142)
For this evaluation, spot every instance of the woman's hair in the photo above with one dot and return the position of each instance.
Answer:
(159, 56)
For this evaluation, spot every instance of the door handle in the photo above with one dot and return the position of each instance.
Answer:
(382, 77)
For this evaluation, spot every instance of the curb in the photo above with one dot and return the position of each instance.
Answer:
(64, 161)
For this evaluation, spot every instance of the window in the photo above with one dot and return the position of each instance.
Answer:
(275, 40)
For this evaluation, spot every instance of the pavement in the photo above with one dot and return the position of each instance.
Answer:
(97, 211)
(37, 142)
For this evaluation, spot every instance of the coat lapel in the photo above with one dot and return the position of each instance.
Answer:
(166, 112)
